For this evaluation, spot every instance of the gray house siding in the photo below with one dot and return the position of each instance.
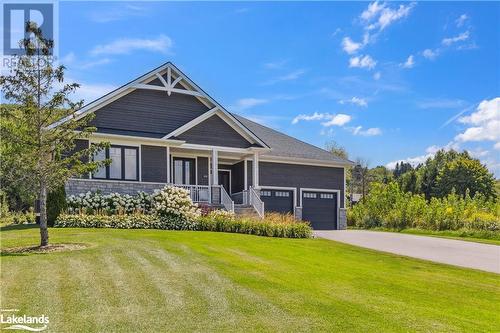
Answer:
(306, 176)
(214, 131)
(80, 144)
(147, 113)
(202, 170)
(154, 164)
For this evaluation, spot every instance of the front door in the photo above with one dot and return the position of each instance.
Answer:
(225, 180)
(184, 171)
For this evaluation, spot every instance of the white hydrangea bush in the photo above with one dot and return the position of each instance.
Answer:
(220, 214)
(174, 202)
(114, 203)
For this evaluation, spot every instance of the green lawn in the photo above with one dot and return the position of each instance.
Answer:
(160, 281)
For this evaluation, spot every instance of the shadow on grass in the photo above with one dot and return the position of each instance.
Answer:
(14, 227)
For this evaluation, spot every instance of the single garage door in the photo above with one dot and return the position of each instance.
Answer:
(320, 208)
(280, 201)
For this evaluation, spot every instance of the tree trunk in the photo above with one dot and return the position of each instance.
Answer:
(44, 232)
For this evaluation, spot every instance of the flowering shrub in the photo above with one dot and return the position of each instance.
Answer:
(386, 206)
(135, 221)
(114, 203)
(218, 214)
(171, 202)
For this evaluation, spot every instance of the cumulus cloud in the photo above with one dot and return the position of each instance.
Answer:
(430, 54)
(460, 38)
(373, 131)
(355, 100)
(162, 44)
(484, 123)
(337, 120)
(330, 119)
(461, 20)
(409, 63)
(362, 62)
(378, 16)
(349, 46)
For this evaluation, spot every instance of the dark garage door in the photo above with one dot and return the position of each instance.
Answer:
(320, 208)
(280, 201)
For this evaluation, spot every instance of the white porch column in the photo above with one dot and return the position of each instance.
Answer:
(215, 167)
(255, 170)
(168, 164)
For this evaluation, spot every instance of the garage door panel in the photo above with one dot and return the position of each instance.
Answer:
(320, 208)
(279, 201)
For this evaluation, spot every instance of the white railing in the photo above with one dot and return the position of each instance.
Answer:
(255, 201)
(198, 193)
(226, 200)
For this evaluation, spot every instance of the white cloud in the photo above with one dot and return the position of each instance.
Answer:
(337, 120)
(414, 161)
(441, 103)
(373, 131)
(497, 146)
(89, 91)
(362, 62)
(409, 63)
(485, 123)
(247, 103)
(460, 38)
(377, 76)
(430, 54)
(275, 64)
(331, 119)
(461, 20)
(288, 77)
(380, 16)
(161, 44)
(349, 46)
(355, 100)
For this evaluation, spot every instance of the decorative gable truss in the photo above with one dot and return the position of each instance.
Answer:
(170, 79)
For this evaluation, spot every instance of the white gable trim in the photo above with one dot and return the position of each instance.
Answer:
(191, 88)
(213, 112)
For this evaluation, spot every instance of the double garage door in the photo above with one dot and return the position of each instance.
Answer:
(319, 208)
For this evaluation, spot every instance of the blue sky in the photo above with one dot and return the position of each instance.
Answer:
(388, 81)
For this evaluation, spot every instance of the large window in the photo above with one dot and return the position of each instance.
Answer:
(124, 163)
(184, 171)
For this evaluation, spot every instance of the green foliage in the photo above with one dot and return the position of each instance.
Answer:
(56, 203)
(465, 174)
(387, 206)
(213, 222)
(17, 218)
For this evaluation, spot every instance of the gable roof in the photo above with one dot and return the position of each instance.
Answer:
(285, 146)
(168, 86)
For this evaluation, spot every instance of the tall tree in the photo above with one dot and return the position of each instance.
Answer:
(337, 150)
(465, 174)
(361, 177)
(37, 150)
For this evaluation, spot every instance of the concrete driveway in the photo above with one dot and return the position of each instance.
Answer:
(485, 257)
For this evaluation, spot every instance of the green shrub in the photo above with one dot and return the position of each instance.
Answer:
(56, 203)
(386, 206)
(216, 222)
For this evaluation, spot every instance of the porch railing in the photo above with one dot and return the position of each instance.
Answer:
(255, 201)
(226, 200)
(198, 193)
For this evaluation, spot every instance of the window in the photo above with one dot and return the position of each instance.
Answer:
(326, 196)
(282, 194)
(184, 171)
(310, 195)
(265, 193)
(124, 163)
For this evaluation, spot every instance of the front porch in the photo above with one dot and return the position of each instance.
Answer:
(216, 177)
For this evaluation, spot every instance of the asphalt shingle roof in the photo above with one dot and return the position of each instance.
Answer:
(283, 145)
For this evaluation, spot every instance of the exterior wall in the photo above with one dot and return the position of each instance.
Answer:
(214, 131)
(80, 145)
(77, 186)
(306, 176)
(147, 113)
(154, 164)
(202, 163)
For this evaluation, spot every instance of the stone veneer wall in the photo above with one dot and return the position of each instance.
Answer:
(343, 219)
(77, 186)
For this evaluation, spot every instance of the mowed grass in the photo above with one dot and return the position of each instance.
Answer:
(167, 281)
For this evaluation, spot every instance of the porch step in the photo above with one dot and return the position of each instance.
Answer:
(245, 210)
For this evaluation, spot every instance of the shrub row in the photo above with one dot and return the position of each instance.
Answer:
(217, 221)
(386, 206)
